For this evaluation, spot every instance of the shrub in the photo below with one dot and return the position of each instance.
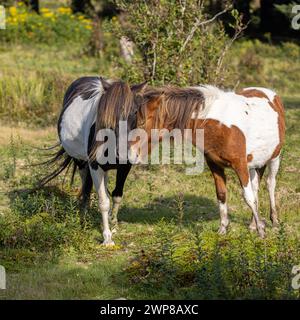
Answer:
(203, 265)
(175, 42)
(50, 27)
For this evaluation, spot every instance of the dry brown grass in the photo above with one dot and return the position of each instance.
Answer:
(28, 136)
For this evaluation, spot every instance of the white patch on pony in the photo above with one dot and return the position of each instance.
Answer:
(76, 123)
(253, 116)
(99, 177)
(268, 92)
(271, 180)
(211, 94)
(224, 217)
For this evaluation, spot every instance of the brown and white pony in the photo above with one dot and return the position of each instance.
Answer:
(242, 130)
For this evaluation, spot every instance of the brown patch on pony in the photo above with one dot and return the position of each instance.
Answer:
(222, 145)
(249, 157)
(171, 107)
(278, 107)
(225, 146)
(250, 93)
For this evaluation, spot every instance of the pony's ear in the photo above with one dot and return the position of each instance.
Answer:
(139, 88)
(139, 100)
(105, 83)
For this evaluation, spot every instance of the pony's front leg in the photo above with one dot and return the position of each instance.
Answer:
(117, 194)
(86, 188)
(256, 176)
(99, 179)
(114, 212)
(249, 195)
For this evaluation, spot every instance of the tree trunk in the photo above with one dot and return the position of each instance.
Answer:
(96, 43)
(33, 5)
(80, 6)
(266, 15)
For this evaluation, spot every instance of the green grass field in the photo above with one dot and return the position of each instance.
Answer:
(166, 246)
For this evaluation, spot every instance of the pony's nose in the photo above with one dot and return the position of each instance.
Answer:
(133, 157)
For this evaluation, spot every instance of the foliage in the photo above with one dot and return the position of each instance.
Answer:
(255, 63)
(51, 26)
(32, 96)
(167, 246)
(175, 42)
(202, 265)
(43, 224)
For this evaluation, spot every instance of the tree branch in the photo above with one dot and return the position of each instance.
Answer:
(238, 31)
(200, 23)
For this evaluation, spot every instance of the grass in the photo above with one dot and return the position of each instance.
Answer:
(167, 246)
(49, 254)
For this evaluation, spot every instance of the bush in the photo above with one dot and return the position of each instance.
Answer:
(203, 265)
(43, 225)
(174, 42)
(50, 27)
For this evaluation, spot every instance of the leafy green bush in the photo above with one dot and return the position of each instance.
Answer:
(175, 42)
(203, 265)
(51, 27)
(43, 224)
(255, 63)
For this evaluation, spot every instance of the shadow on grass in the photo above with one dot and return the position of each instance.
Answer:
(59, 204)
(291, 102)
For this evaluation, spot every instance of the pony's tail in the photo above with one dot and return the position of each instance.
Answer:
(58, 162)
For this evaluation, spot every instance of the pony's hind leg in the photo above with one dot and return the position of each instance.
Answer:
(256, 176)
(242, 171)
(220, 183)
(86, 187)
(117, 194)
(273, 166)
(100, 179)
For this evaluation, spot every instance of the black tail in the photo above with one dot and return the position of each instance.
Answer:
(59, 162)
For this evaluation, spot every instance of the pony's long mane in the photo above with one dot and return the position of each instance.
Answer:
(175, 106)
(114, 105)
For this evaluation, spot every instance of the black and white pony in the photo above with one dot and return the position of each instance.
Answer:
(92, 103)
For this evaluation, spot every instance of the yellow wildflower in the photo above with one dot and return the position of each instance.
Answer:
(48, 14)
(87, 21)
(13, 11)
(64, 10)
(44, 10)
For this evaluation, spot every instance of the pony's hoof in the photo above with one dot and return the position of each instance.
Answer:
(222, 230)
(262, 232)
(108, 243)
